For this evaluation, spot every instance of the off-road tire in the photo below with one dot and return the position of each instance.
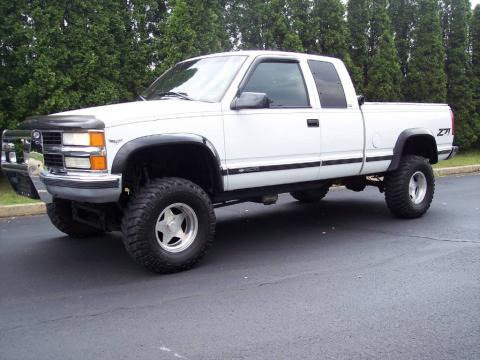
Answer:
(397, 187)
(311, 196)
(141, 215)
(60, 213)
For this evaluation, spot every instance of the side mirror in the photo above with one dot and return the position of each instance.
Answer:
(361, 100)
(250, 100)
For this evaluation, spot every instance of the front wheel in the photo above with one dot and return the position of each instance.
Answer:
(169, 225)
(409, 189)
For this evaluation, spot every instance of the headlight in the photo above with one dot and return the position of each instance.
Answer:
(80, 139)
(84, 139)
(96, 159)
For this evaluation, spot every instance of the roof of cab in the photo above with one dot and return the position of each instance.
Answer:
(256, 53)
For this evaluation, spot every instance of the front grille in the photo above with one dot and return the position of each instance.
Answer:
(53, 160)
(52, 138)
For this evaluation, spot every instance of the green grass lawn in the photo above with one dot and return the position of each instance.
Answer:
(462, 158)
(8, 196)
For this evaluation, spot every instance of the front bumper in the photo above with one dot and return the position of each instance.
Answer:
(101, 188)
(24, 165)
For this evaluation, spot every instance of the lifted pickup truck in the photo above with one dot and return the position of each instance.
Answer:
(217, 130)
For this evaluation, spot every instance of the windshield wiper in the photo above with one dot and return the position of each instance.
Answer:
(142, 98)
(174, 93)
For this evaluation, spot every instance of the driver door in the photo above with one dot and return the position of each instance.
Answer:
(279, 144)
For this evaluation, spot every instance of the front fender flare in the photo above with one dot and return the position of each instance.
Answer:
(130, 148)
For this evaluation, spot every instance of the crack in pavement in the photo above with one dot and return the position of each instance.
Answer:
(410, 236)
(440, 239)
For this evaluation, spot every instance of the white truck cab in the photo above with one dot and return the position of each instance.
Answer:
(216, 130)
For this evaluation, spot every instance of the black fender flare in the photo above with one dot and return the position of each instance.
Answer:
(401, 141)
(130, 148)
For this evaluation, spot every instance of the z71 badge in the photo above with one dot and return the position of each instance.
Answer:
(442, 132)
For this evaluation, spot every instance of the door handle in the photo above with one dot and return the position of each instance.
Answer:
(313, 123)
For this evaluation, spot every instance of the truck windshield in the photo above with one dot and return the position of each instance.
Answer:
(204, 79)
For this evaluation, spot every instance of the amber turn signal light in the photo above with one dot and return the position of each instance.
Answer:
(97, 139)
(98, 162)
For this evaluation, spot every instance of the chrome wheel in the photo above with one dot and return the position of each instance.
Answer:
(417, 187)
(176, 227)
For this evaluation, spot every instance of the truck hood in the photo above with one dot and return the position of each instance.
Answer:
(140, 111)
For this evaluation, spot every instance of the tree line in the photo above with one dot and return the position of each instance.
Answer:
(58, 55)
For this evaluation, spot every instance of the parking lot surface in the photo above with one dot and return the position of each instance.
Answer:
(341, 279)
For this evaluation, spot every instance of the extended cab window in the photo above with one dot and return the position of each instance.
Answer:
(329, 86)
(281, 81)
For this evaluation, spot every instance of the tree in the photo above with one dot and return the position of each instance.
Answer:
(426, 79)
(179, 41)
(68, 66)
(475, 36)
(330, 28)
(383, 76)
(138, 37)
(256, 24)
(193, 28)
(402, 15)
(459, 90)
(15, 38)
(358, 19)
(300, 13)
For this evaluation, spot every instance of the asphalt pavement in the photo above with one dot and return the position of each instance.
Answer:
(342, 279)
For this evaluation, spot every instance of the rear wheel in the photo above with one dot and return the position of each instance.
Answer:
(169, 225)
(61, 215)
(409, 189)
(311, 196)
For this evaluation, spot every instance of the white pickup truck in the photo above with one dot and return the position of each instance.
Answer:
(217, 130)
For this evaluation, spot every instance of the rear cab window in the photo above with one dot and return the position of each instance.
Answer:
(329, 86)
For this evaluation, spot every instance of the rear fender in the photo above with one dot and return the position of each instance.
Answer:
(425, 140)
